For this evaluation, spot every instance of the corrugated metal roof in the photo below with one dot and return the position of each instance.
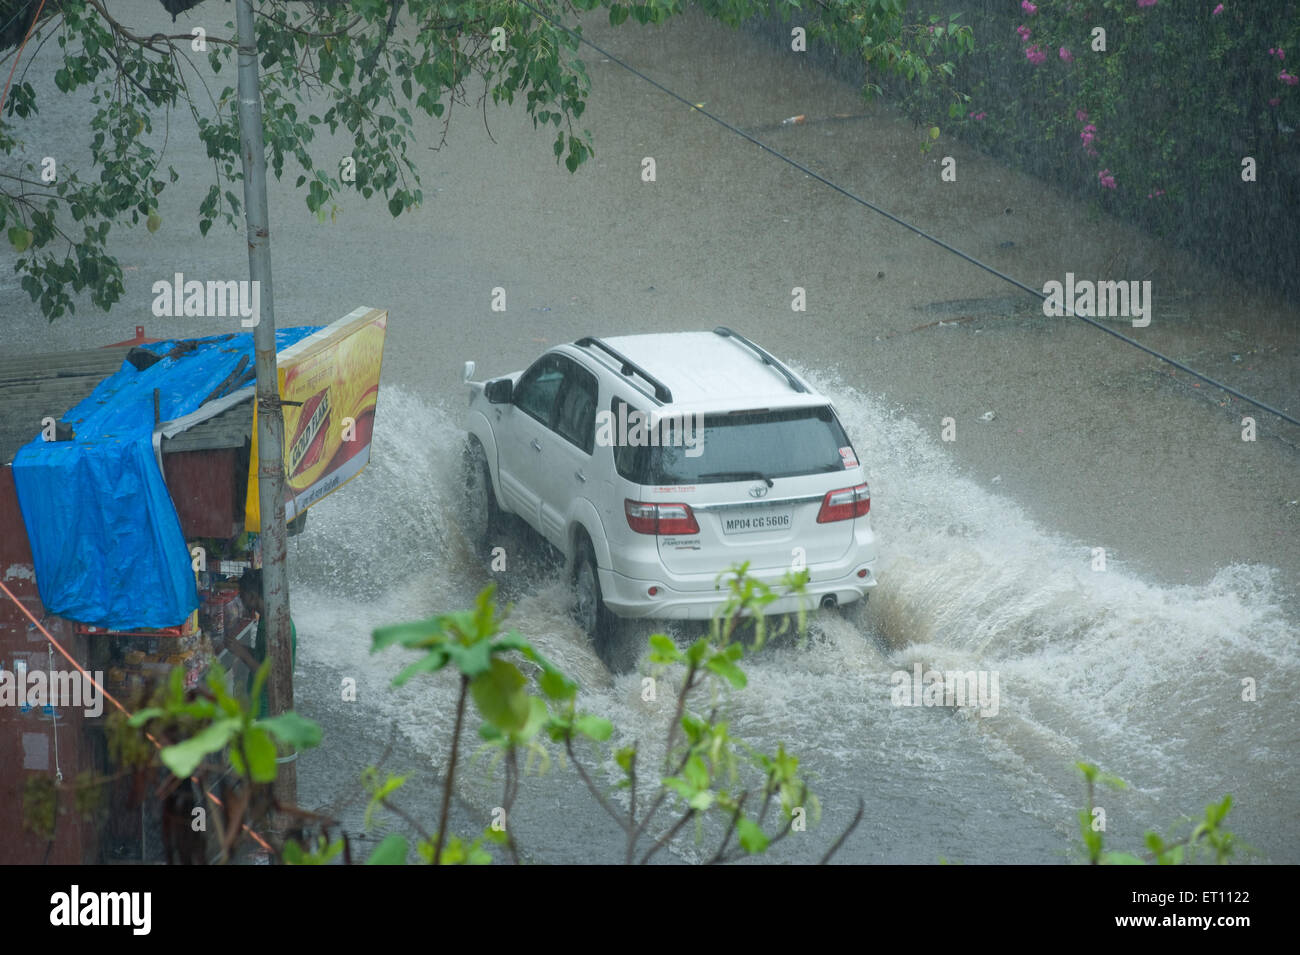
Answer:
(33, 387)
(230, 429)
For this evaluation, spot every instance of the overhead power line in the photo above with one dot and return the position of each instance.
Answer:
(1037, 293)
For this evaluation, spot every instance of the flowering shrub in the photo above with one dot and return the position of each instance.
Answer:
(1168, 110)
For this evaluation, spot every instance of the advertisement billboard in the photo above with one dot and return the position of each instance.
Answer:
(329, 383)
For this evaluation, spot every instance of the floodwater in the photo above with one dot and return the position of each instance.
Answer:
(988, 542)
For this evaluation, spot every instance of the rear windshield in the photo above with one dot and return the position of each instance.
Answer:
(740, 447)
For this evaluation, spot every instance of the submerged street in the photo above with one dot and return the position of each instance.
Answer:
(1066, 440)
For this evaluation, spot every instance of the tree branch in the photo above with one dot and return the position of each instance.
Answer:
(451, 771)
(623, 823)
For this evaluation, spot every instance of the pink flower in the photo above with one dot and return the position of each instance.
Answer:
(1217, 10)
(1106, 179)
(1028, 7)
(1144, 3)
(1066, 55)
(1154, 195)
(1088, 135)
(1024, 32)
(1035, 55)
(1288, 79)
(1276, 51)
(979, 116)
(1081, 115)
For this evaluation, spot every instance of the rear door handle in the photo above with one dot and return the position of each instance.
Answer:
(535, 444)
(580, 476)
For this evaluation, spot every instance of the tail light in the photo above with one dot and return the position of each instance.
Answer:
(648, 518)
(845, 504)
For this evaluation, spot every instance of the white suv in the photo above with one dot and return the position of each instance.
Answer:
(655, 463)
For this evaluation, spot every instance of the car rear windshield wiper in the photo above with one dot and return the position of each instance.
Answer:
(738, 476)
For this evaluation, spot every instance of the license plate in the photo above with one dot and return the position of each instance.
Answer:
(749, 523)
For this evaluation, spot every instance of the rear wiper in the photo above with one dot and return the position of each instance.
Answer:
(738, 476)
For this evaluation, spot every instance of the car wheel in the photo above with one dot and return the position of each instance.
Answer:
(601, 625)
(482, 516)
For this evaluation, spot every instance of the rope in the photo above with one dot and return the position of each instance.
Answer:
(112, 699)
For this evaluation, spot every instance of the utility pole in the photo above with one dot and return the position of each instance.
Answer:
(270, 420)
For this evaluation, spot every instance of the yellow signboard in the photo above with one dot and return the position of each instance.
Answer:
(329, 383)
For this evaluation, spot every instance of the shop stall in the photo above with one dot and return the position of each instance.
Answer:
(128, 514)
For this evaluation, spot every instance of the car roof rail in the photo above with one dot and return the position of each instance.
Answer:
(764, 356)
(662, 394)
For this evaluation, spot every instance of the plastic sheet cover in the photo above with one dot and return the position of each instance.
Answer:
(104, 534)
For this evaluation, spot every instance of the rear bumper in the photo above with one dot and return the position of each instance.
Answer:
(630, 597)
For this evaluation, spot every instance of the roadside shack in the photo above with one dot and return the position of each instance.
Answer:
(127, 495)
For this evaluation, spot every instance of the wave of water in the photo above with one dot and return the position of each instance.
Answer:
(1144, 680)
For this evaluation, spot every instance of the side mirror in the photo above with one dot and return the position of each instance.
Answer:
(469, 371)
(499, 392)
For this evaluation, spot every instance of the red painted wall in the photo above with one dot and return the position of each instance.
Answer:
(207, 488)
(27, 739)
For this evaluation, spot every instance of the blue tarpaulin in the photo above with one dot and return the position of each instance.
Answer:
(106, 541)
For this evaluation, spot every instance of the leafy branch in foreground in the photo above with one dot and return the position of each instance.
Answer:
(741, 801)
(378, 74)
(701, 776)
(1207, 835)
(207, 733)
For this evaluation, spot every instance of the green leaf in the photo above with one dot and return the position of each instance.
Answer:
(407, 634)
(184, 757)
(537, 716)
(499, 695)
(701, 801)
(432, 662)
(597, 727)
(752, 837)
(379, 792)
(472, 660)
(728, 671)
(696, 651)
(260, 751)
(144, 716)
(293, 730)
(556, 685)
(392, 851)
(20, 238)
(617, 14)
(696, 773)
(663, 650)
(624, 758)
